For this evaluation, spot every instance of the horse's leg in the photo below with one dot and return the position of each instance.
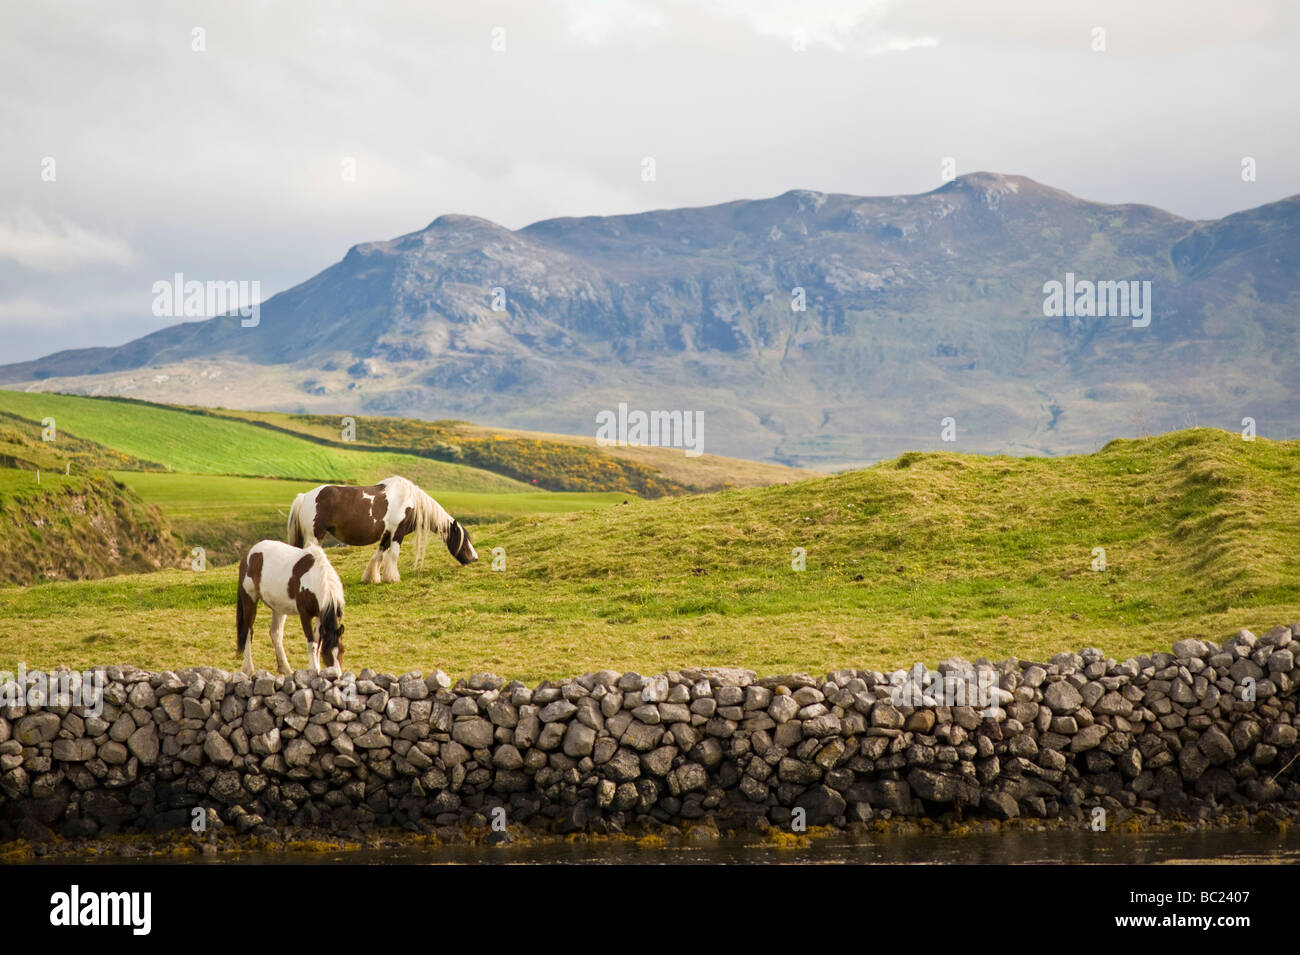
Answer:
(394, 550)
(371, 575)
(386, 567)
(249, 607)
(313, 648)
(277, 640)
(248, 658)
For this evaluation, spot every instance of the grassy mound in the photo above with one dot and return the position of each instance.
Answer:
(77, 527)
(921, 557)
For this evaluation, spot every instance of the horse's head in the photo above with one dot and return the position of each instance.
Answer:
(459, 544)
(330, 637)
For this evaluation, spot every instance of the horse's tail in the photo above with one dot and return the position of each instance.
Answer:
(294, 534)
(242, 626)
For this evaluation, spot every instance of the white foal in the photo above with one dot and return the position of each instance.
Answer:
(291, 580)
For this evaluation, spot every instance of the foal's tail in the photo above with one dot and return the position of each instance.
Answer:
(242, 625)
(294, 534)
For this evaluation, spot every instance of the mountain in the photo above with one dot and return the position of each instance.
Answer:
(918, 308)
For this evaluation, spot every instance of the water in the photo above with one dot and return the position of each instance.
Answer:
(1068, 847)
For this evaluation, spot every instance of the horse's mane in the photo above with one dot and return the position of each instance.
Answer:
(331, 600)
(428, 514)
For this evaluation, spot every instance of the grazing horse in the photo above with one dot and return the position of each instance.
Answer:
(385, 512)
(291, 580)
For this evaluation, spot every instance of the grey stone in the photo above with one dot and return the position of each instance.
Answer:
(886, 716)
(783, 708)
(1062, 697)
(74, 750)
(1185, 649)
(1216, 745)
(822, 805)
(37, 728)
(558, 710)
(933, 786)
(218, 749)
(475, 733)
(655, 690)
(579, 740)
(298, 752)
(641, 736)
(143, 744)
(659, 761)
(1088, 738)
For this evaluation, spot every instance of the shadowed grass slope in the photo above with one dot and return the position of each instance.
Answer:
(917, 558)
(77, 526)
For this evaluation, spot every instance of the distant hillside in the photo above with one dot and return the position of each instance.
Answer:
(917, 308)
(128, 434)
(556, 462)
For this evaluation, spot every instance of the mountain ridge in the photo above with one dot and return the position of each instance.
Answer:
(918, 308)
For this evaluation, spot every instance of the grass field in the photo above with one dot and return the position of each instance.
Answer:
(14, 483)
(918, 558)
(208, 444)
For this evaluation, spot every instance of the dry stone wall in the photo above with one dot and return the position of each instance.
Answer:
(1184, 734)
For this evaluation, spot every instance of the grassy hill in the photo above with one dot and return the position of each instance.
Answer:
(206, 444)
(920, 557)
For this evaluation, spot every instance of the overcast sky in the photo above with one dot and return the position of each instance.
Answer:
(228, 163)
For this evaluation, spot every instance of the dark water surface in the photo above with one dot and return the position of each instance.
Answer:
(928, 849)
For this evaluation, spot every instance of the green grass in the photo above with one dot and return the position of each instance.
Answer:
(208, 444)
(21, 484)
(918, 558)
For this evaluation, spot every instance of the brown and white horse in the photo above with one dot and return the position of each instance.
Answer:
(291, 580)
(385, 513)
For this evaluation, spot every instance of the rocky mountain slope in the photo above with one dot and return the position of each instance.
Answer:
(918, 308)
